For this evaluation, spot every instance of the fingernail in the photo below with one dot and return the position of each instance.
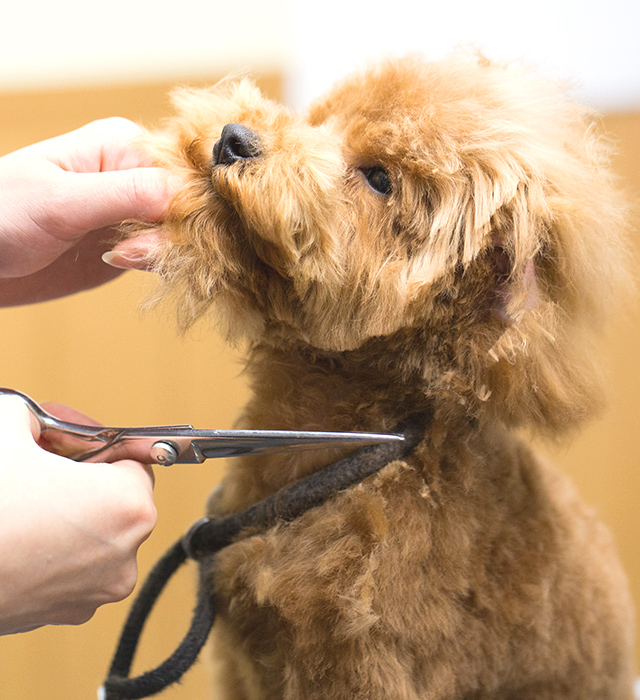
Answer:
(114, 259)
(124, 262)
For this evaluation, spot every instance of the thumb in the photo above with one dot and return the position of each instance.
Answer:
(101, 200)
(16, 419)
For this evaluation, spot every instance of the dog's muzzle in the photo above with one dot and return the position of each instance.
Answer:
(237, 143)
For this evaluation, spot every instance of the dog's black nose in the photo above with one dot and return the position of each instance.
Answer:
(236, 143)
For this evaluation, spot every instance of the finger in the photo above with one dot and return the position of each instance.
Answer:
(141, 509)
(139, 253)
(149, 477)
(16, 419)
(101, 145)
(68, 414)
(59, 442)
(77, 269)
(151, 474)
(100, 200)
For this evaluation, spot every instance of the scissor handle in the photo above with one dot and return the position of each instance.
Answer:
(70, 439)
(91, 443)
(49, 422)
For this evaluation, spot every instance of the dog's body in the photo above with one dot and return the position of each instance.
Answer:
(438, 239)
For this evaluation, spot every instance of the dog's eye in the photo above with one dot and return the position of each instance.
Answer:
(378, 178)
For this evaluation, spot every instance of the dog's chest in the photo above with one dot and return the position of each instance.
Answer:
(421, 569)
(349, 579)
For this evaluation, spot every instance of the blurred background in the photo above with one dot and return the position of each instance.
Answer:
(63, 64)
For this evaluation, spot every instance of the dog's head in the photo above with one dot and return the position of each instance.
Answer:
(463, 211)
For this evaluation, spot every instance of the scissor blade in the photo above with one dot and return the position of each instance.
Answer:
(253, 442)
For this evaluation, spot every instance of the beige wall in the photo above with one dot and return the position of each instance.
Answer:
(95, 352)
(605, 459)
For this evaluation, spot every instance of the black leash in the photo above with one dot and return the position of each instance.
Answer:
(206, 537)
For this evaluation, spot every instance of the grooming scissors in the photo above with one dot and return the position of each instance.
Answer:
(177, 444)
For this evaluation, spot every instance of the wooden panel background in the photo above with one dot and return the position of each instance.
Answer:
(94, 351)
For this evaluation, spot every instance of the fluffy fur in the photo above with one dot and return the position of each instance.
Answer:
(471, 284)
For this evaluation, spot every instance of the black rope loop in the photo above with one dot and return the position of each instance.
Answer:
(208, 536)
(118, 685)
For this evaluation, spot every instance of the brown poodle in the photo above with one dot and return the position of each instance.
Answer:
(437, 238)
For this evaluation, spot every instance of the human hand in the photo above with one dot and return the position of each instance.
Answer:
(69, 531)
(59, 202)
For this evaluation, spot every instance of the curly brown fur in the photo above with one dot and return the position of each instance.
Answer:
(430, 235)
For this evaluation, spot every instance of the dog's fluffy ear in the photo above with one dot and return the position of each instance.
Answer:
(560, 267)
(520, 233)
(511, 299)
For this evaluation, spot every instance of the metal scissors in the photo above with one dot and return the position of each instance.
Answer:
(177, 444)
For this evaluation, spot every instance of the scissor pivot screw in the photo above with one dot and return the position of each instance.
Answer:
(164, 454)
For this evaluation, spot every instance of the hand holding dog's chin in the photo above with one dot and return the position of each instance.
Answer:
(60, 201)
(69, 531)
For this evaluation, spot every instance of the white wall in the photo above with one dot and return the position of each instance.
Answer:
(45, 43)
(593, 43)
(80, 42)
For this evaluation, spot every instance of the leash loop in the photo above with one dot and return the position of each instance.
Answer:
(190, 534)
(208, 536)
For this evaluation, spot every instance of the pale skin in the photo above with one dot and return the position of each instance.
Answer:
(69, 532)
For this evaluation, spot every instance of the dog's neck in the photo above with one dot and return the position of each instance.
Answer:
(301, 387)
(298, 387)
